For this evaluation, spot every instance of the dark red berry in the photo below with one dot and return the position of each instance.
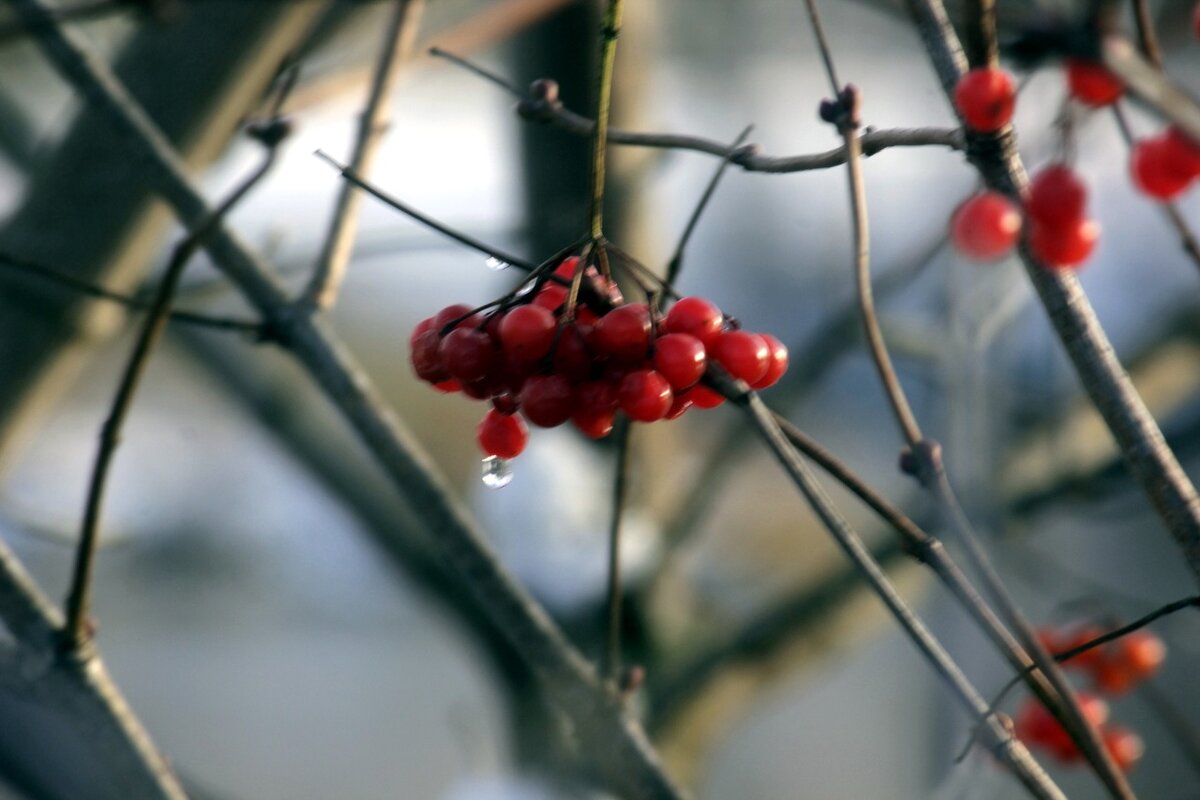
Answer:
(506, 403)
(777, 363)
(596, 397)
(571, 355)
(697, 317)
(985, 227)
(426, 361)
(644, 395)
(623, 334)
(450, 314)
(527, 332)
(551, 296)
(1091, 83)
(1183, 152)
(1057, 196)
(566, 268)
(680, 358)
(467, 354)
(1155, 171)
(595, 425)
(744, 355)
(449, 386)
(704, 397)
(1064, 247)
(679, 405)
(546, 400)
(985, 98)
(501, 435)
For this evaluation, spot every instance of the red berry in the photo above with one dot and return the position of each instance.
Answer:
(1091, 83)
(985, 98)
(777, 363)
(571, 356)
(1064, 247)
(551, 296)
(506, 403)
(449, 386)
(502, 435)
(697, 317)
(1196, 21)
(1056, 196)
(449, 314)
(1184, 153)
(1086, 660)
(426, 360)
(527, 332)
(1128, 661)
(1037, 727)
(546, 400)
(1155, 171)
(467, 354)
(744, 355)
(595, 425)
(566, 268)
(680, 358)
(1125, 746)
(985, 227)
(645, 395)
(623, 334)
(704, 397)
(679, 405)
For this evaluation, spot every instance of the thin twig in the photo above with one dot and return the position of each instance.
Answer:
(470, 66)
(676, 261)
(818, 29)
(982, 47)
(76, 630)
(69, 281)
(845, 115)
(426, 220)
(331, 265)
(1011, 752)
(612, 653)
(1147, 38)
(1150, 85)
(613, 744)
(748, 157)
(1105, 381)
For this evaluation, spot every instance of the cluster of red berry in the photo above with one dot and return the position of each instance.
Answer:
(1060, 234)
(1114, 668)
(552, 364)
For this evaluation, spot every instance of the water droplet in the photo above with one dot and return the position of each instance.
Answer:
(496, 264)
(497, 472)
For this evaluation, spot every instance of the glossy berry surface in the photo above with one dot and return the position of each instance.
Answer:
(547, 400)
(985, 98)
(467, 354)
(1090, 83)
(681, 359)
(985, 227)
(777, 362)
(704, 397)
(1057, 196)
(527, 332)
(502, 435)
(697, 317)
(623, 334)
(1155, 170)
(1183, 152)
(1037, 727)
(1064, 247)
(644, 395)
(744, 355)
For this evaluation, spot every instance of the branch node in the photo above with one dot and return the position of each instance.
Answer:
(922, 461)
(845, 112)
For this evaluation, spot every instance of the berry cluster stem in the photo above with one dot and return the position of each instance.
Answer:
(610, 29)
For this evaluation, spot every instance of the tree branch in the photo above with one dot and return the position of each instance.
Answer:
(339, 240)
(615, 745)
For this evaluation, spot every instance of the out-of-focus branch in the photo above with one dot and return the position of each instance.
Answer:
(339, 240)
(614, 745)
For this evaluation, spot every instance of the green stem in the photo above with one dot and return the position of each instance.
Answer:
(609, 30)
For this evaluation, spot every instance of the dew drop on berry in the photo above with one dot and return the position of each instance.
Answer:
(496, 472)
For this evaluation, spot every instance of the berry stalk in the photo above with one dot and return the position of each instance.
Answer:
(610, 28)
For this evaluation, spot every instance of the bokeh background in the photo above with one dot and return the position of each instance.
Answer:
(248, 602)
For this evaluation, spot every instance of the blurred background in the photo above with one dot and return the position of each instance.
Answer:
(270, 609)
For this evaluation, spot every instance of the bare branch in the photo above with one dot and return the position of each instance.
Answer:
(613, 743)
(339, 240)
